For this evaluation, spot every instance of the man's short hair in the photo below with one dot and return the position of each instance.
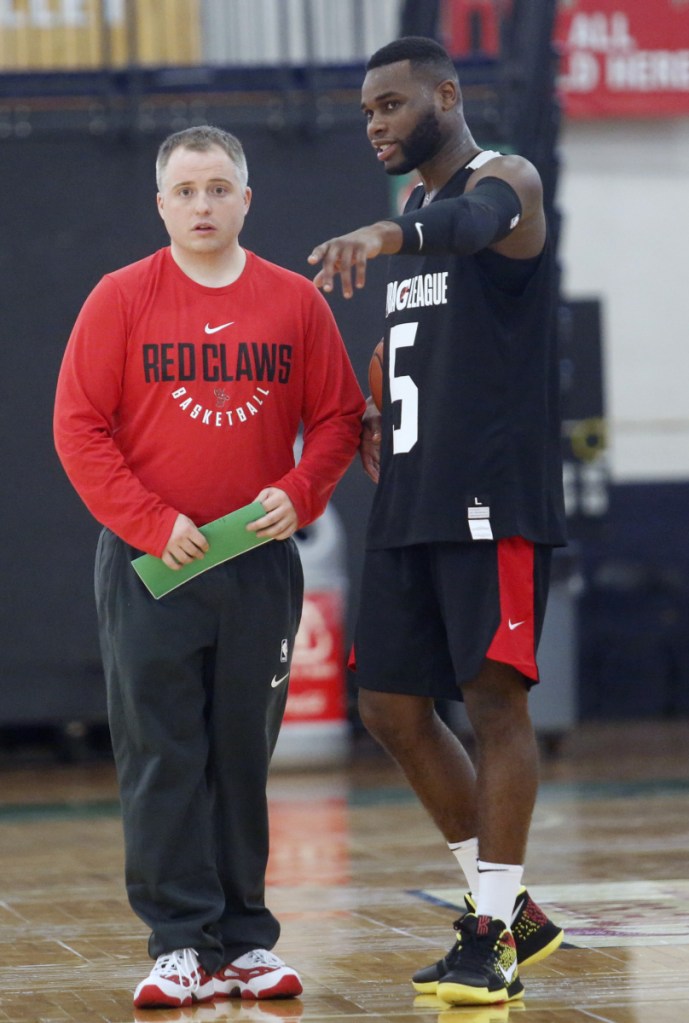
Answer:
(424, 55)
(200, 139)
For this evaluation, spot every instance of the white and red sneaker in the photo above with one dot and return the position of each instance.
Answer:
(176, 979)
(257, 974)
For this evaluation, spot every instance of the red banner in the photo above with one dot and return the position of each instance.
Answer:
(317, 684)
(624, 58)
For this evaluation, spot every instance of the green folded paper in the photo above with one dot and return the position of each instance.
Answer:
(227, 536)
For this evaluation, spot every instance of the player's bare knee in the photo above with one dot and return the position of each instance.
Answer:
(499, 730)
(498, 719)
(393, 719)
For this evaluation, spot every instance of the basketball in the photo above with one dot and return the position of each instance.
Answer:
(375, 375)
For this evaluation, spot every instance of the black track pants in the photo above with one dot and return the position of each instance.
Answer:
(197, 684)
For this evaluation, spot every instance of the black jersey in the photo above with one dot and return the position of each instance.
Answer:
(471, 426)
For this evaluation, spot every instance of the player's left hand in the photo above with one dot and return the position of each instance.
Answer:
(280, 519)
(352, 251)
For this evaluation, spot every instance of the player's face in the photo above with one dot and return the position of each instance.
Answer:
(202, 201)
(402, 117)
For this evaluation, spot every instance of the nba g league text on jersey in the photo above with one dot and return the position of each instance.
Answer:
(422, 290)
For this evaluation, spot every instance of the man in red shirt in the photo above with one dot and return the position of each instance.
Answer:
(185, 381)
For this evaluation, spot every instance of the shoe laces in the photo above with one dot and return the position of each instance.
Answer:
(474, 945)
(262, 957)
(181, 965)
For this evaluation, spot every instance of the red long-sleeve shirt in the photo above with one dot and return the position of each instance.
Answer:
(175, 397)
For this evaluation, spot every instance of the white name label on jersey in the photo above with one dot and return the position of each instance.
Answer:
(479, 522)
(422, 290)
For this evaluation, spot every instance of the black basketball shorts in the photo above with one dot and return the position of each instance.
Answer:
(430, 614)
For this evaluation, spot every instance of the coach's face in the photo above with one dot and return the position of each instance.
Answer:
(202, 201)
(404, 114)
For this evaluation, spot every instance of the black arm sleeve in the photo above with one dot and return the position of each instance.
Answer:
(462, 225)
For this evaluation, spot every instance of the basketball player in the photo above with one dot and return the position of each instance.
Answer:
(469, 501)
(179, 399)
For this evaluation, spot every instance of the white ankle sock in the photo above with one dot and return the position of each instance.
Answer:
(466, 854)
(499, 886)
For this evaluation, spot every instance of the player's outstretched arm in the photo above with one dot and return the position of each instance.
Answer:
(352, 251)
(527, 240)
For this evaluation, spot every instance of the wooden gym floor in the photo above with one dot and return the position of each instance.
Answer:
(367, 891)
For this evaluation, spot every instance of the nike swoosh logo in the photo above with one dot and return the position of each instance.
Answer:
(214, 330)
(419, 228)
(518, 908)
(276, 681)
(515, 625)
(508, 974)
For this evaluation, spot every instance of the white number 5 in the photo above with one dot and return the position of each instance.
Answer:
(404, 390)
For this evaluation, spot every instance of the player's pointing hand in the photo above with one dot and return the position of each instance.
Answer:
(352, 251)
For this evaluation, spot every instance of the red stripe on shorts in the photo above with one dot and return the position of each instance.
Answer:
(514, 640)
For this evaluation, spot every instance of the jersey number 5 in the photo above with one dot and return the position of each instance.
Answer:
(404, 390)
